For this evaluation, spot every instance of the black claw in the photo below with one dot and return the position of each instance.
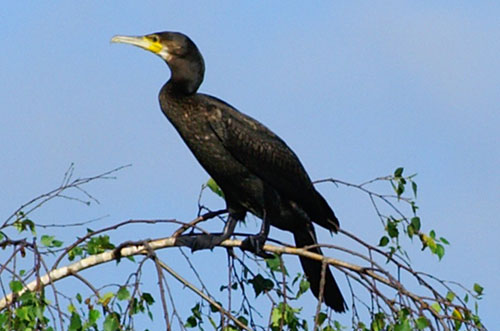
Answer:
(255, 245)
(184, 241)
(198, 242)
(117, 251)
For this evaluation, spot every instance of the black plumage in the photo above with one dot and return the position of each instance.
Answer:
(255, 169)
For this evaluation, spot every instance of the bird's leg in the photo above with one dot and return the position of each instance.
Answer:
(255, 243)
(204, 241)
(117, 251)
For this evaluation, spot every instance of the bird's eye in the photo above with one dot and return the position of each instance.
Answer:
(154, 38)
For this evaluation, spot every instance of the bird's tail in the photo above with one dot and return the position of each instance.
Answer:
(312, 269)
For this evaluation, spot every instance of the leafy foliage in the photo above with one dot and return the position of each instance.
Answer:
(239, 303)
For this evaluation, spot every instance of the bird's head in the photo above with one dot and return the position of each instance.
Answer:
(180, 53)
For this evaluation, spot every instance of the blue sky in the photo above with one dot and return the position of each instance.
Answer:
(355, 88)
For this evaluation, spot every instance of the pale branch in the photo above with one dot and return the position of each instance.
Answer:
(94, 260)
(82, 239)
(321, 293)
(376, 279)
(283, 309)
(158, 267)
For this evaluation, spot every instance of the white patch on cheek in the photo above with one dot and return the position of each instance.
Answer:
(164, 54)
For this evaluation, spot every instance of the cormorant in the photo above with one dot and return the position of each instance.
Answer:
(255, 169)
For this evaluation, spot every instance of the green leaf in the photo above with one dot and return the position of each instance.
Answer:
(429, 241)
(415, 222)
(392, 229)
(123, 294)
(400, 189)
(50, 241)
(303, 286)
(191, 322)
(93, 316)
(403, 326)
(75, 322)
(243, 320)
(410, 230)
(47, 240)
(478, 289)
(383, 241)
(421, 323)
(321, 318)
(24, 224)
(414, 188)
(97, 245)
(71, 308)
(398, 172)
(289, 316)
(106, 298)
(15, 286)
(404, 313)
(212, 185)
(130, 258)
(436, 307)
(361, 326)
(212, 322)
(261, 284)
(148, 298)
(444, 241)
(196, 311)
(450, 296)
(111, 323)
(276, 316)
(274, 264)
(214, 308)
(73, 253)
(439, 251)
(23, 313)
(338, 326)
(414, 207)
(378, 323)
(4, 317)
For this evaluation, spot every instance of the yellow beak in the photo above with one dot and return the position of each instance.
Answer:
(144, 42)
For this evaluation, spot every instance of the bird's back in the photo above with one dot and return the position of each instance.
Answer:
(242, 155)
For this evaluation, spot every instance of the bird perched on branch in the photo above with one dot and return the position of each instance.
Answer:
(255, 168)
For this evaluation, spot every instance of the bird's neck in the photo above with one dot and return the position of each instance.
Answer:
(186, 77)
(182, 86)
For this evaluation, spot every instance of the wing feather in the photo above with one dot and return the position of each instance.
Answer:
(268, 157)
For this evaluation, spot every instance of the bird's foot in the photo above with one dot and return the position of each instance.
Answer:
(199, 241)
(117, 251)
(255, 245)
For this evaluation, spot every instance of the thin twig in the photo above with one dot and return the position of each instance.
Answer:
(202, 295)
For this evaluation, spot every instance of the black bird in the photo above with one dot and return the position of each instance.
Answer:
(255, 169)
